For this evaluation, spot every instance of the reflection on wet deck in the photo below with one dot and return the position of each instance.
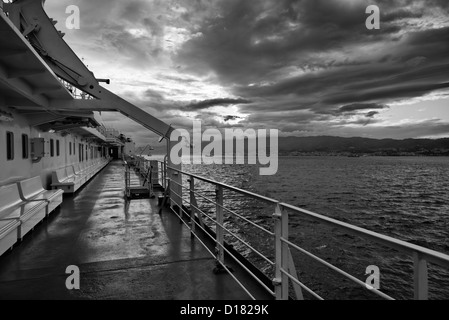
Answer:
(124, 251)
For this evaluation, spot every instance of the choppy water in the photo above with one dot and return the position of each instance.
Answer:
(403, 197)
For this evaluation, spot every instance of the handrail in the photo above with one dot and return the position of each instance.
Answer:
(221, 245)
(285, 271)
(226, 209)
(327, 264)
(210, 252)
(301, 284)
(238, 190)
(405, 247)
(238, 238)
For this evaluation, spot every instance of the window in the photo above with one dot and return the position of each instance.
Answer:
(52, 148)
(9, 145)
(80, 152)
(70, 148)
(74, 148)
(57, 148)
(25, 148)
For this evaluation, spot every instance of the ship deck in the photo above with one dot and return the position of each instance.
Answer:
(124, 250)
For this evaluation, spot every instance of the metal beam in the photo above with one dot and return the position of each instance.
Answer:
(20, 86)
(112, 102)
(14, 43)
(47, 89)
(55, 51)
(62, 127)
(4, 53)
(24, 73)
(37, 120)
(21, 103)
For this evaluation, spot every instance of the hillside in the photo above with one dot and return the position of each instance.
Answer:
(327, 144)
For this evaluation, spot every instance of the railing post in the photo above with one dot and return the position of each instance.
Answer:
(165, 175)
(280, 280)
(420, 277)
(181, 213)
(127, 180)
(285, 251)
(175, 176)
(220, 221)
(192, 209)
(160, 173)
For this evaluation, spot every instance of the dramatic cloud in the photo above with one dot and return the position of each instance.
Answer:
(229, 118)
(371, 114)
(305, 67)
(206, 104)
(356, 107)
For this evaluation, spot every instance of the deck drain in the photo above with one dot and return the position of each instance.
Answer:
(114, 217)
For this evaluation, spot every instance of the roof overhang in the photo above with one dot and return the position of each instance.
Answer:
(25, 78)
(89, 133)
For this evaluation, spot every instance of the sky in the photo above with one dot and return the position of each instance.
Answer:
(304, 67)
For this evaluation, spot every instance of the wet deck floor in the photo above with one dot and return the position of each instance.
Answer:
(123, 252)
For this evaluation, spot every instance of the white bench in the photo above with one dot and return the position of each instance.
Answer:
(90, 170)
(29, 213)
(32, 190)
(73, 177)
(60, 180)
(80, 172)
(78, 178)
(10, 208)
(87, 170)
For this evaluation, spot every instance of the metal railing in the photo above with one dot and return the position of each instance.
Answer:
(145, 174)
(285, 272)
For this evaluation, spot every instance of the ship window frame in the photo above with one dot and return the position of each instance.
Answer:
(25, 146)
(52, 147)
(70, 148)
(58, 148)
(9, 145)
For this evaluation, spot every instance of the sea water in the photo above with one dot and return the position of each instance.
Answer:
(403, 197)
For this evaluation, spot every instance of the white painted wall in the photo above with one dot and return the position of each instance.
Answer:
(19, 168)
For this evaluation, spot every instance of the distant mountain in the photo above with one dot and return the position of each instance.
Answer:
(328, 144)
(356, 145)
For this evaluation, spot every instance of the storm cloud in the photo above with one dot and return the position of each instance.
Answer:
(305, 67)
(215, 102)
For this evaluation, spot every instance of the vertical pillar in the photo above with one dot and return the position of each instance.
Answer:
(281, 253)
(220, 221)
(176, 177)
(192, 204)
(277, 254)
(285, 251)
(420, 277)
